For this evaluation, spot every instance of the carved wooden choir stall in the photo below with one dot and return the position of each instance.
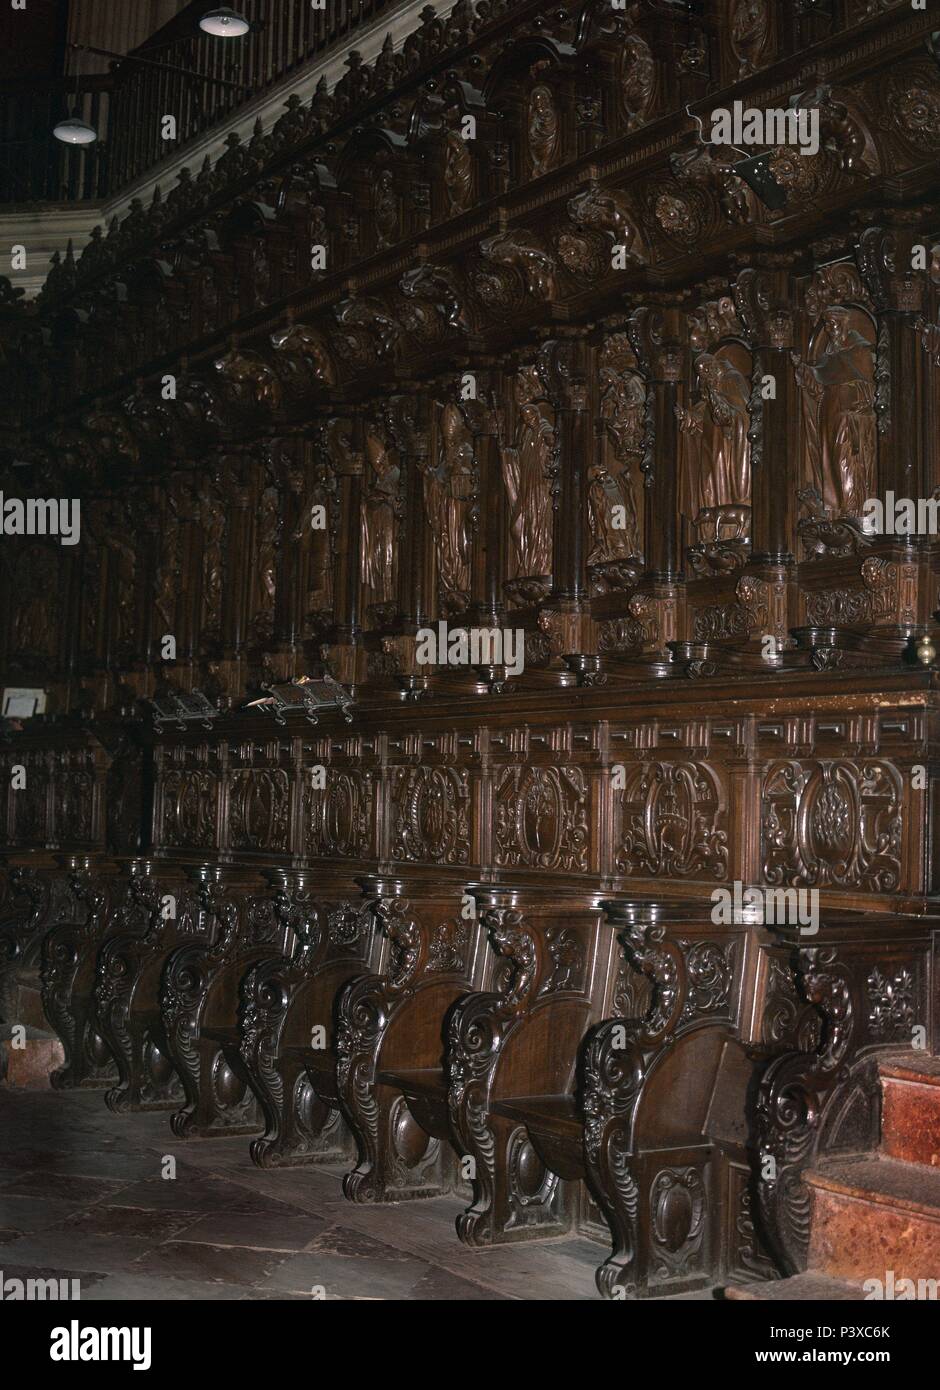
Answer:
(488, 334)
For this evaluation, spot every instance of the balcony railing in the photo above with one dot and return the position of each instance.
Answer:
(126, 106)
(34, 166)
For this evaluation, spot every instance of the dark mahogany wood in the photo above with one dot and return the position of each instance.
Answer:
(570, 380)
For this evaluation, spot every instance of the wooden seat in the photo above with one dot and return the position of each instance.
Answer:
(226, 1034)
(422, 1081)
(559, 1114)
(555, 1127)
(425, 1090)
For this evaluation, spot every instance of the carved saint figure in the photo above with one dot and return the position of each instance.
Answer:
(637, 76)
(749, 26)
(458, 172)
(317, 550)
(124, 559)
(168, 568)
(33, 624)
(378, 518)
(212, 515)
(266, 560)
(526, 474)
(542, 129)
(716, 468)
(623, 408)
(385, 210)
(448, 487)
(839, 415)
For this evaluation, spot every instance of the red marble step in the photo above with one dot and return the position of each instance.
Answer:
(27, 1064)
(910, 1119)
(875, 1215)
(810, 1287)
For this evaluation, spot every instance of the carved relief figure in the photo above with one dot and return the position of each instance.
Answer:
(168, 571)
(839, 414)
(608, 210)
(33, 619)
(458, 172)
(623, 411)
(542, 129)
(637, 77)
(448, 487)
(125, 581)
(715, 458)
(378, 518)
(527, 469)
(319, 554)
(213, 526)
(385, 210)
(265, 580)
(749, 27)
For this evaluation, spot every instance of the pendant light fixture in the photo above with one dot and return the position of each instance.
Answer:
(224, 23)
(74, 131)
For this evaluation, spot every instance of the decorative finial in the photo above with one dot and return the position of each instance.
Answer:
(926, 651)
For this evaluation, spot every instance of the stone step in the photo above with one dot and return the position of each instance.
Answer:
(810, 1287)
(910, 1119)
(874, 1215)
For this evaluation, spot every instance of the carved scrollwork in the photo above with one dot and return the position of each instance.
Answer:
(340, 819)
(673, 822)
(678, 1207)
(258, 809)
(892, 1004)
(362, 1018)
(877, 599)
(833, 822)
(407, 938)
(609, 211)
(523, 253)
(542, 818)
(436, 286)
(432, 815)
(791, 1099)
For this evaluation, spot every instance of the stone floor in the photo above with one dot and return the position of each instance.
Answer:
(82, 1196)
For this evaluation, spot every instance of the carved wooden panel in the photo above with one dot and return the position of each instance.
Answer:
(672, 821)
(543, 818)
(833, 822)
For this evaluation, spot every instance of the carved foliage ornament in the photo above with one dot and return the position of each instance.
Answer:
(542, 818)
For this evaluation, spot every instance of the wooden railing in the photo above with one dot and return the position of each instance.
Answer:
(34, 166)
(214, 77)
